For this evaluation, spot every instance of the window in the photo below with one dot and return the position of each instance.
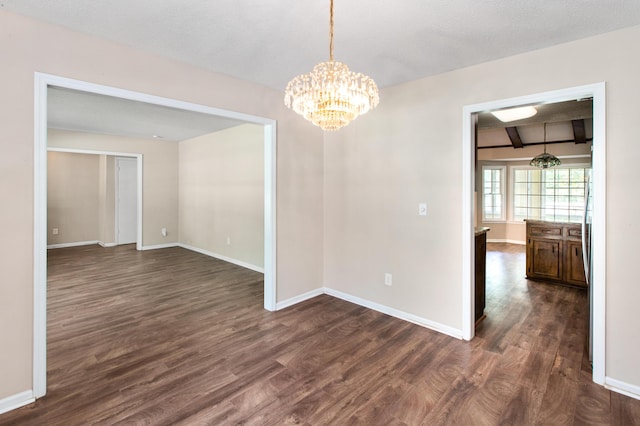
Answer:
(493, 193)
(555, 195)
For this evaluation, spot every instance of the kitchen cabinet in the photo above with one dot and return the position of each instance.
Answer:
(554, 253)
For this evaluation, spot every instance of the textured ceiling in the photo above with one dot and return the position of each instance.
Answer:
(92, 113)
(269, 41)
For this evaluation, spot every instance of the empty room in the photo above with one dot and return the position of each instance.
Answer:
(210, 219)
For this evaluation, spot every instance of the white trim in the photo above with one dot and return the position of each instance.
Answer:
(79, 244)
(598, 233)
(74, 244)
(469, 121)
(597, 91)
(92, 151)
(301, 298)
(632, 391)
(40, 238)
(139, 165)
(405, 316)
(496, 240)
(160, 246)
(41, 83)
(222, 257)
(441, 328)
(503, 191)
(270, 201)
(16, 401)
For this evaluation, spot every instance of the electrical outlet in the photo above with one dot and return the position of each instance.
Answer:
(388, 279)
(422, 209)
(54, 231)
(163, 231)
(228, 241)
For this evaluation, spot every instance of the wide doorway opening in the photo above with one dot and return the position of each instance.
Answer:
(46, 82)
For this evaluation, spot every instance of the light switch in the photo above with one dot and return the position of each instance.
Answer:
(422, 209)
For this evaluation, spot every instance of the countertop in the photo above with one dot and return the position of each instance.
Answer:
(482, 230)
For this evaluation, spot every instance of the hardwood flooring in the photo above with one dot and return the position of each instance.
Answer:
(171, 337)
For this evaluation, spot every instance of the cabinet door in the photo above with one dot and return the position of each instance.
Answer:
(546, 259)
(574, 268)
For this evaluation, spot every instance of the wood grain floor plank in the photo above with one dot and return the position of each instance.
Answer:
(172, 337)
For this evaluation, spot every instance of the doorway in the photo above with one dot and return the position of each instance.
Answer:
(42, 83)
(597, 92)
(126, 200)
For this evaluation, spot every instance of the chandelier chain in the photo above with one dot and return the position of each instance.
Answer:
(331, 31)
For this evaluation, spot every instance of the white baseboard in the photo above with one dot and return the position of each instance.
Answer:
(298, 299)
(16, 401)
(450, 331)
(105, 245)
(221, 257)
(632, 391)
(432, 325)
(492, 240)
(160, 246)
(74, 244)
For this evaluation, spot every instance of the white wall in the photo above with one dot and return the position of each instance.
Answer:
(73, 198)
(409, 150)
(159, 178)
(29, 46)
(221, 193)
(80, 198)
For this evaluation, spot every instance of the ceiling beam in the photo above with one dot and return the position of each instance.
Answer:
(531, 144)
(579, 134)
(514, 136)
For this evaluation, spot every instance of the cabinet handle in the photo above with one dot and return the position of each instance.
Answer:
(576, 249)
(553, 249)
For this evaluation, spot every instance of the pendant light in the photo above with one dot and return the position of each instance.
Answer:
(544, 160)
(331, 96)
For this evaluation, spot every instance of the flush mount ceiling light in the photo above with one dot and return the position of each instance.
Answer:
(544, 160)
(513, 114)
(331, 96)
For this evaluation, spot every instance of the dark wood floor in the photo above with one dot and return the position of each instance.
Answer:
(171, 337)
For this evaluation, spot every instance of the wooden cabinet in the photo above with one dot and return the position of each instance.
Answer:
(554, 253)
(481, 272)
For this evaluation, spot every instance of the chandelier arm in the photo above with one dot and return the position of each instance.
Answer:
(331, 31)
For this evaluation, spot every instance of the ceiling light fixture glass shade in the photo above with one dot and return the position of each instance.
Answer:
(513, 114)
(544, 160)
(331, 95)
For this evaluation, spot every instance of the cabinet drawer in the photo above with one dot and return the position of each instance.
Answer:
(546, 231)
(574, 233)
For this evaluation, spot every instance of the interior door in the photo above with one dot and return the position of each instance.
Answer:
(126, 200)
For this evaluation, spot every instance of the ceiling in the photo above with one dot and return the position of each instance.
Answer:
(269, 42)
(92, 113)
(561, 122)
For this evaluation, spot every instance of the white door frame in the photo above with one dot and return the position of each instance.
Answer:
(597, 92)
(138, 158)
(41, 84)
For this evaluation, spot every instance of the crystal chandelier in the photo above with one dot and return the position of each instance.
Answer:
(331, 95)
(544, 160)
